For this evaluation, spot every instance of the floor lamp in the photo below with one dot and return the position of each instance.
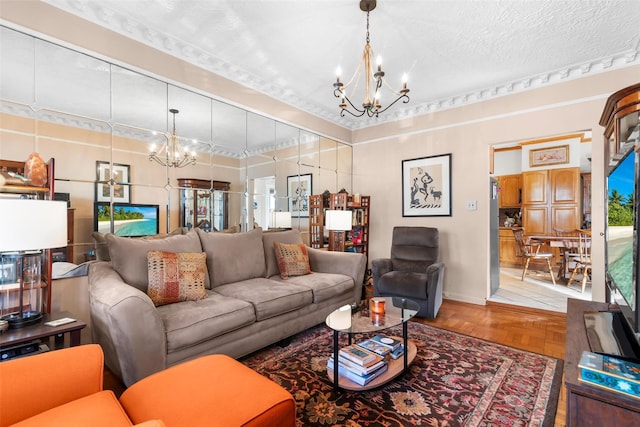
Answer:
(338, 222)
(27, 227)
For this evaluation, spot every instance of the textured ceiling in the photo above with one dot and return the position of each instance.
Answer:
(455, 52)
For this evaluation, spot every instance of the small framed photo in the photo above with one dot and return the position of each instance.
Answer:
(426, 186)
(116, 177)
(298, 191)
(549, 156)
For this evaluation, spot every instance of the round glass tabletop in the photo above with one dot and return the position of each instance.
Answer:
(372, 315)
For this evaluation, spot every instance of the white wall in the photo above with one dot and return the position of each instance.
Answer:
(467, 133)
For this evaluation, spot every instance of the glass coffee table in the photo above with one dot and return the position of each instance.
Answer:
(364, 320)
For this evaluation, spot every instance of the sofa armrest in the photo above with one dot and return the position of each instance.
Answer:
(348, 263)
(127, 325)
(35, 384)
(435, 277)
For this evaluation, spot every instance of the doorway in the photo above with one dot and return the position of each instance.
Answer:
(510, 161)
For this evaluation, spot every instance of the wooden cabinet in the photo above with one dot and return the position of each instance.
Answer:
(510, 195)
(551, 200)
(588, 405)
(507, 244)
(204, 204)
(65, 254)
(316, 221)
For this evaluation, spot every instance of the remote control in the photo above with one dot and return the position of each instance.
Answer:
(60, 322)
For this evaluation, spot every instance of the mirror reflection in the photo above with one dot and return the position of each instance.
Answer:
(99, 121)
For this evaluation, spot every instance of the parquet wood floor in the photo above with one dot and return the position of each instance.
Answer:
(533, 330)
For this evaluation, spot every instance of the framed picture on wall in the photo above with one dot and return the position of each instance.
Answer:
(118, 176)
(298, 191)
(426, 186)
(549, 156)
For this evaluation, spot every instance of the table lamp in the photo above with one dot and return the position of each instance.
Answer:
(337, 222)
(27, 227)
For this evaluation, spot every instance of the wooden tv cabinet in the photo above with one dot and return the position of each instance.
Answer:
(588, 405)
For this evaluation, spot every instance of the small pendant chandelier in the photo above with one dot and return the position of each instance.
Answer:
(371, 104)
(175, 156)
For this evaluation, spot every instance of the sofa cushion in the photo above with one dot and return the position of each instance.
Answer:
(293, 259)
(289, 236)
(98, 409)
(269, 297)
(129, 256)
(191, 322)
(233, 257)
(102, 250)
(325, 286)
(175, 277)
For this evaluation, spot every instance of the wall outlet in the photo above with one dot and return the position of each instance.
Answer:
(472, 205)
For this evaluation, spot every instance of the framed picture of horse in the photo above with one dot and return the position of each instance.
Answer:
(426, 186)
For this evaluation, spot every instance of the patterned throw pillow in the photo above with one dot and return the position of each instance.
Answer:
(293, 259)
(175, 277)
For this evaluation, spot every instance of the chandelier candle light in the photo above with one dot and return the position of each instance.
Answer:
(174, 155)
(370, 107)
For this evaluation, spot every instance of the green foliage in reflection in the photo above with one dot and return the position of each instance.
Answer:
(620, 209)
(119, 214)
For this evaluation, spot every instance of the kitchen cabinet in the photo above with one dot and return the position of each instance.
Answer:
(510, 195)
(507, 244)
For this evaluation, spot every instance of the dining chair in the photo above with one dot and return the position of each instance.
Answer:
(568, 252)
(583, 262)
(530, 250)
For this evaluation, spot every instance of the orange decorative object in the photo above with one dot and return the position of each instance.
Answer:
(36, 170)
(377, 305)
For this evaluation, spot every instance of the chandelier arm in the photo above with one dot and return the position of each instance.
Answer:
(404, 97)
(353, 106)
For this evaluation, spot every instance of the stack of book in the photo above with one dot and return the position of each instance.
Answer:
(359, 365)
(384, 346)
(610, 372)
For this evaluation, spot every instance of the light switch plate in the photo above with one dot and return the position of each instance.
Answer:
(472, 205)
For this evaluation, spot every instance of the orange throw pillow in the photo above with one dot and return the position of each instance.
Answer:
(293, 259)
(175, 277)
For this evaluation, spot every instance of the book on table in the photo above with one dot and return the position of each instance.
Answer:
(375, 347)
(358, 369)
(359, 355)
(610, 372)
(386, 341)
(352, 376)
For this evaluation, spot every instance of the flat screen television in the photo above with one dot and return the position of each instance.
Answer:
(622, 264)
(130, 220)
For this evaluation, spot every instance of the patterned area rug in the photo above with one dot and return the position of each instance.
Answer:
(455, 380)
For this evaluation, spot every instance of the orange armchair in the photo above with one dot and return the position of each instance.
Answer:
(64, 388)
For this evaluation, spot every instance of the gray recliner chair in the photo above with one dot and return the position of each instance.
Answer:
(413, 271)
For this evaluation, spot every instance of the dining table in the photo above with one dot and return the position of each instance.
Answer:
(566, 242)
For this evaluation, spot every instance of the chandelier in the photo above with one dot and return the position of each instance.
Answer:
(371, 105)
(174, 155)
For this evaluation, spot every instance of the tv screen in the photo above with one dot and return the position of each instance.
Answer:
(129, 220)
(620, 228)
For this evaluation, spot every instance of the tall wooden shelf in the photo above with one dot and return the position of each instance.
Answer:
(31, 192)
(357, 239)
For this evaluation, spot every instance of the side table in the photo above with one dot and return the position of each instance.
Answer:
(40, 331)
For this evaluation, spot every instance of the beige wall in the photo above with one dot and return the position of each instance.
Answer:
(467, 133)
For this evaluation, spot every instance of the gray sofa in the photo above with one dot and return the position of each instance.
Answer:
(248, 304)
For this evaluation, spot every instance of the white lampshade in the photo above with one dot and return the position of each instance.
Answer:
(338, 220)
(32, 224)
(280, 220)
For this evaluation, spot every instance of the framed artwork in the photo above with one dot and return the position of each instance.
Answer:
(119, 176)
(298, 191)
(549, 156)
(426, 186)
